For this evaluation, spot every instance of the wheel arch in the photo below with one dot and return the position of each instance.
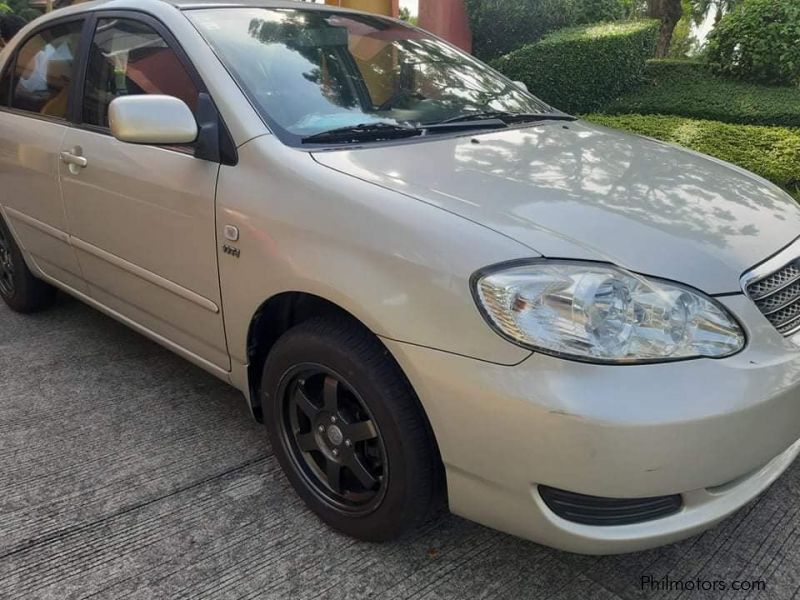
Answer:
(275, 316)
(281, 312)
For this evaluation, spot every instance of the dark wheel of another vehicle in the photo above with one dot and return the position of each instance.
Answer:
(20, 290)
(348, 430)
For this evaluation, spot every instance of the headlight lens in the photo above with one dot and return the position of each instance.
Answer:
(601, 313)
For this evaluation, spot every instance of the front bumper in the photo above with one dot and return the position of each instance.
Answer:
(718, 432)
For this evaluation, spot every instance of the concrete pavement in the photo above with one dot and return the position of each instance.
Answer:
(126, 472)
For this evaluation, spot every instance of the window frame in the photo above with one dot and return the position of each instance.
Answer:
(76, 118)
(11, 66)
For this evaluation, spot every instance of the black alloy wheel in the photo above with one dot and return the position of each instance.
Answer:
(349, 431)
(333, 439)
(19, 288)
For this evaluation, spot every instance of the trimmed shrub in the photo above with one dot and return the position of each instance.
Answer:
(772, 152)
(582, 69)
(759, 41)
(500, 26)
(691, 89)
(679, 69)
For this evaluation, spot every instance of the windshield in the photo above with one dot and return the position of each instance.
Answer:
(308, 71)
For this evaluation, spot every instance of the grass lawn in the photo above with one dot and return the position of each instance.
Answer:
(689, 89)
(772, 152)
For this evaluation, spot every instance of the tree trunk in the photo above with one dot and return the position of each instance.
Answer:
(669, 12)
(665, 36)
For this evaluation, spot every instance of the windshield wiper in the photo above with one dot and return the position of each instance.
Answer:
(492, 119)
(373, 132)
(465, 123)
(532, 117)
(477, 116)
(508, 117)
(363, 132)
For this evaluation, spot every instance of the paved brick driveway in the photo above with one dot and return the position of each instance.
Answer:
(127, 472)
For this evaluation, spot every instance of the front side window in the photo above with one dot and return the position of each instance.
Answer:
(42, 77)
(309, 71)
(128, 57)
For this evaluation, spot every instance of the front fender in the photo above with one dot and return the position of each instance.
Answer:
(400, 266)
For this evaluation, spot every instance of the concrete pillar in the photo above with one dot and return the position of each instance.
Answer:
(447, 19)
(381, 7)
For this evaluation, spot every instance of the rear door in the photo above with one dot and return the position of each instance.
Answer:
(36, 90)
(142, 217)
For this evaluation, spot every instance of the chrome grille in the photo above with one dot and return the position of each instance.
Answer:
(778, 296)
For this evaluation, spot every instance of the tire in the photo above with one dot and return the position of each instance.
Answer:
(325, 359)
(19, 289)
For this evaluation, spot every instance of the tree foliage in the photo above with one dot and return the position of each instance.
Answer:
(19, 8)
(701, 8)
(759, 41)
(405, 15)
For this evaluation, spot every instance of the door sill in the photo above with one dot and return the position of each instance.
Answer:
(159, 339)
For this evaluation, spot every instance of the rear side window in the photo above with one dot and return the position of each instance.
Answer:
(128, 57)
(42, 77)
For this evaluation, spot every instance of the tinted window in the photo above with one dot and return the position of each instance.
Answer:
(128, 57)
(43, 74)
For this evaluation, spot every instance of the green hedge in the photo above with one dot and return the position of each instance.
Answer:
(500, 26)
(581, 69)
(688, 88)
(772, 152)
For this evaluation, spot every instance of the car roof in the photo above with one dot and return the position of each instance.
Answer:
(195, 4)
(190, 4)
(156, 7)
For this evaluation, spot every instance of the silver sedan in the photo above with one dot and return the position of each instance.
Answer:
(431, 287)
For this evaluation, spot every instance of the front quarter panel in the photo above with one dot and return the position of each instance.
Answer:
(398, 265)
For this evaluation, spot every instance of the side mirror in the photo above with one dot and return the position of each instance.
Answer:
(152, 119)
(521, 85)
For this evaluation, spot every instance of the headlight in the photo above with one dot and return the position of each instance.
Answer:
(601, 313)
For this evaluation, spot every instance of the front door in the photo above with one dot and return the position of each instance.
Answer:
(142, 217)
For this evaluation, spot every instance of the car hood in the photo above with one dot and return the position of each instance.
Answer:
(581, 191)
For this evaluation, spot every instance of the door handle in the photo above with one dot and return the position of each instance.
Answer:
(74, 159)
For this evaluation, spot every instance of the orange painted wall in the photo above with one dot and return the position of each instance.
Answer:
(447, 19)
(383, 7)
